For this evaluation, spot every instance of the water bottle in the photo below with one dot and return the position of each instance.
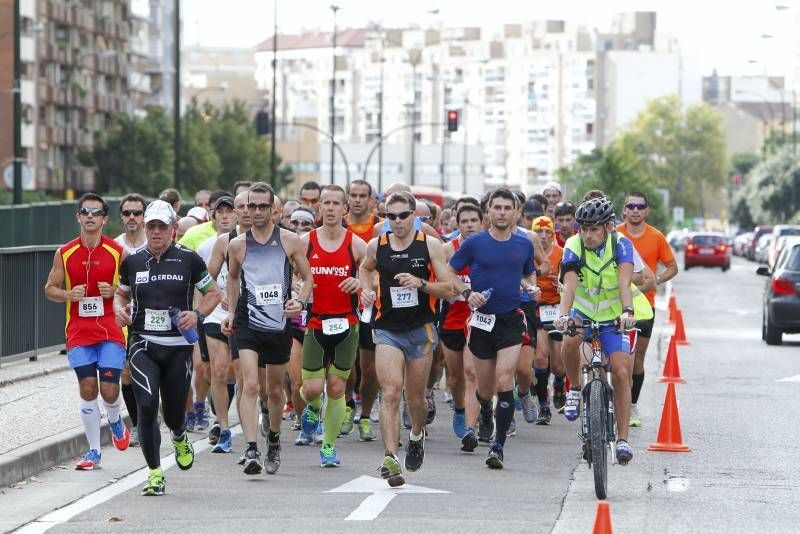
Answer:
(189, 335)
(487, 293)
(366, 313)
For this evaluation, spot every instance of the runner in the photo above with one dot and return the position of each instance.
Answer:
(552, 193)
(500, 261)
(153, 282)
(406, 261)
(461, 379)
(565, 222)
(596, 270)
(654, 249)
(331, 338)
(309, 196)
(260, 263)
(89, 265)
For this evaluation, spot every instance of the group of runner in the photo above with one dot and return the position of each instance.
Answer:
(298, 305)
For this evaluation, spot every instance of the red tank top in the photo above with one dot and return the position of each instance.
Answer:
(458, 311)
(91, 320)
(329, 270)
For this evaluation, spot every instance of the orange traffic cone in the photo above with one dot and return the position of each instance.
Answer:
(672, 371)
(602, 521)
(680, 332)
(672, 307)
(669, 432)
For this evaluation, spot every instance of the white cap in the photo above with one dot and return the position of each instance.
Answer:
(552, 185)
(198, 213)
(158, 210)
(301, 215)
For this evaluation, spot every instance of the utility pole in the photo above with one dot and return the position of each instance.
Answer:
(413, 120)
(17, 107)
(272, 164)
(334, 8)
(380, 117)
(176, 113)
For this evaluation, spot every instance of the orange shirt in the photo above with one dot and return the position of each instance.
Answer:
(547, 283)
(365, 230)
(653, 247)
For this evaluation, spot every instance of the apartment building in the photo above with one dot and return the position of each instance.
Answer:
(218, 75)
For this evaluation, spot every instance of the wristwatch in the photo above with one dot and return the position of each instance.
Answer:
(466, 293)
(303, 304)
(423, 282)
(627, 309)
(200, 316)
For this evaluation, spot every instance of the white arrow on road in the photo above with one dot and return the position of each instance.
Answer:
(381, 496)
(795, 378)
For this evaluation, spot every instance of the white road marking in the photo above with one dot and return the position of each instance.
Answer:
(130, 481)
(677, 484)
(382, 495)
(795, 378)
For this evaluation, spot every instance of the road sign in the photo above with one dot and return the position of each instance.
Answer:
(27, 176)
(677, 213)
(382, 495)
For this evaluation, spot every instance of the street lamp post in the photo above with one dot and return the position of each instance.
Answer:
(335, 9)
(17, 107)
(272, 165)
(176, 113)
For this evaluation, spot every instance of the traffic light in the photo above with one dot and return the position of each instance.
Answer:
(452, 121)
(263, 123)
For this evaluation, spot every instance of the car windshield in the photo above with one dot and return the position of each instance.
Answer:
(705, 240)
(795, 230)
(793, 262)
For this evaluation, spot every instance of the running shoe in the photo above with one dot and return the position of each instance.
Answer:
(296, 424)
(448, 397)
(486, 424)
(310, 420)
(512, 428)
(634, 419)
(303, 439)
(391, 471)
(134, 437)
(469, 442)
(243, 457)
(415, 454)
(624, 452)
(273, 458)
(200, 416)
(406, 416)
(375, 414)
(328, 457)
(365, 432)
(288, 411)
(224, 442)
(184, 452)
(155, 483)
(319, 434)
(190, 422)
(529, 408)
(559, 398)
(252, 462)
(90, 460)
(431, 408)
(347, 424)
(263, 426)
(120, 434)
(459, 423)
(544, 416)
(572, 404)
(213, 434)
(495, 458)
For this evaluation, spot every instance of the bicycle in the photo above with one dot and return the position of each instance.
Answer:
(598, 424)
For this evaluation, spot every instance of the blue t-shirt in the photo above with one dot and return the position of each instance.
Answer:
(524, 296)
(624, 252)
(500, 265)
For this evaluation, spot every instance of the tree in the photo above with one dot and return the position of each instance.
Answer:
(768, 191)
(200, 165)
(682, 152)
(242, 154)
(741, 165)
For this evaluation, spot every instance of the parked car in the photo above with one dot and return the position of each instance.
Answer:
(758, 231)
(781, 303)
(741, 242)
(778, 233)
(678, 238)
(707, 249)
(762, 248)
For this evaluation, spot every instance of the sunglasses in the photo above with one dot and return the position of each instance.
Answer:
(304, 224)
(135, 213)
(633, 206)
(310, 201)
(403, 215)
(263, 207)
(96, 212)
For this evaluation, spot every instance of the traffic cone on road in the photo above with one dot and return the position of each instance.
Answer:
(672, 307)
(672, 371)
(680, 332)
(669, 432)
(602, 521)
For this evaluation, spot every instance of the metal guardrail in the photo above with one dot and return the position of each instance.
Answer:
(29, 323)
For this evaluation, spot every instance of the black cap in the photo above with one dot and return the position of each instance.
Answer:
(532, 208)
(224, 200)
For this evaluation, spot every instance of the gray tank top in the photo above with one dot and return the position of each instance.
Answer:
(266, 284)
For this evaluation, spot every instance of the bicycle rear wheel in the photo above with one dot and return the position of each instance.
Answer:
(598, 414)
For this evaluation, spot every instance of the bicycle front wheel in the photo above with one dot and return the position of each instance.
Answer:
(598, 415)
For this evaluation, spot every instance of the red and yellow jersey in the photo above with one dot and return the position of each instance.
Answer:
(91, 320)
(330, 269)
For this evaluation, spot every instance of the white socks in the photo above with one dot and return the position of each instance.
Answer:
(90, 415)
(112, 410)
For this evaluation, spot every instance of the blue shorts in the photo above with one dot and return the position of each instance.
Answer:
(414, 344)
(610, 339)
(104, 355)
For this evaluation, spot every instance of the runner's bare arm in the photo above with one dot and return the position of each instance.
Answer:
(568, 292)
(297, 253)
(217, 256)
(53, 290)
(444, 287)
(366, 273)
(624, 275)
(645, 280)
(235, 257)
(353, 283)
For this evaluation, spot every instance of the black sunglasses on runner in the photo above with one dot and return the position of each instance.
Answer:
(136, 213)
(97, 212)
(264, 207)
(403, 215)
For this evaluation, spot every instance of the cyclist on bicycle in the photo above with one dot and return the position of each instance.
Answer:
(596, 272)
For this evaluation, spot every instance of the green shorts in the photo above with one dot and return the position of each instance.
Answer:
(338, 351)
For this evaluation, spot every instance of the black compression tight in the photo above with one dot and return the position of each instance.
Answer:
(159, 369)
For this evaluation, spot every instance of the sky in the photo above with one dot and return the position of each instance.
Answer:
(726, 35)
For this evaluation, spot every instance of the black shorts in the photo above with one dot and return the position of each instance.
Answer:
(508, 330)
(297, 334)
(365, 340)
(273, 348)
(234, 347)
(214, 330)
(453, 339)
(201, 342)
(531, 318)
(646, 327)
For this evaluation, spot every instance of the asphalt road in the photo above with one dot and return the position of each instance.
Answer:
(742, 473)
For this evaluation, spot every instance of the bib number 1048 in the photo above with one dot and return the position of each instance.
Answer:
(269, 295)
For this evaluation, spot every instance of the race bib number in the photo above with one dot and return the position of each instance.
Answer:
(157, 320)
(404, 297)
(142, 277)
(482, 321)
(331, 327)
(548, 314)
(269, 295)
(91, 307)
